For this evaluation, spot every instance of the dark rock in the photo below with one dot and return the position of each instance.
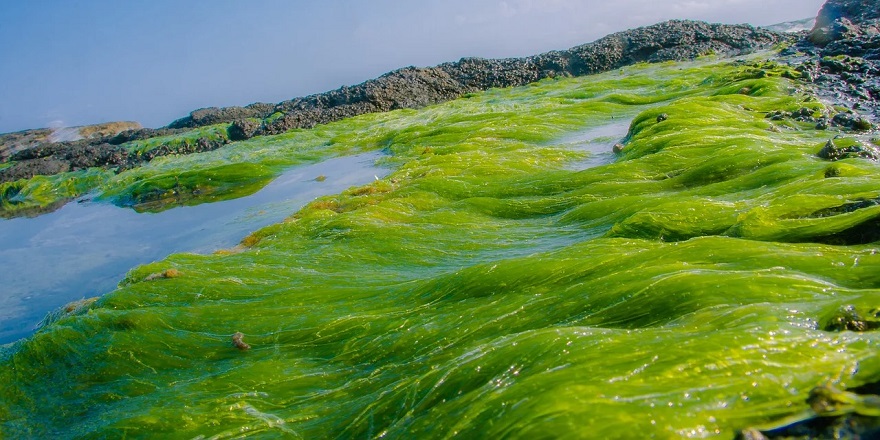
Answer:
(863, 124)
(11, 143)
(144, 133)
(775, 115)
(845, 64)
(848, 318)
(662, 117)
(414, 87)
(835, 30)
(858, 11)
(242, 129)
(803, 114)
(215, 115)
(832, 151)
(850, 121)
(834, 413)
(32, 167)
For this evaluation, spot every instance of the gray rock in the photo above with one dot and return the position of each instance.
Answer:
(242, 129)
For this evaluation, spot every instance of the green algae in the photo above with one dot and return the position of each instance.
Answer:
(167, 190)
(184, 141)
(700, 284)
(45, 193)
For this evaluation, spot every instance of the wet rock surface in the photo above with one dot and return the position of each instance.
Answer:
(831, 151)
(840, 57)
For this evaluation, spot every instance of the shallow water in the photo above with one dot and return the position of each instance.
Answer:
(598, 142)
(84, 249)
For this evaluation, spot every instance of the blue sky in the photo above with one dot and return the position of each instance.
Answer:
(69, 62)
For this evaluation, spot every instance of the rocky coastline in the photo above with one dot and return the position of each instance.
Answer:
(409, 87)
(701, 226)
(839, 58)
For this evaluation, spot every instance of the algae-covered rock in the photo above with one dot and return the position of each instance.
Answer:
(858, 11)
(848, 148)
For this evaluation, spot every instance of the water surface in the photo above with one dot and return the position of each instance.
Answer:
(85, 248)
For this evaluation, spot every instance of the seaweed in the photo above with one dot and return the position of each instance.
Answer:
(488, 289)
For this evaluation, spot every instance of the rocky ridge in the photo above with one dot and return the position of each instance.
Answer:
(839, 58)
(414, 87)
(409, 87)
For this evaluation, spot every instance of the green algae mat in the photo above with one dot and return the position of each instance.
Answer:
(703, 282)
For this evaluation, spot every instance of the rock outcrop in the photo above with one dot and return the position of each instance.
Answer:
(414, 87)
(410, 87)
(12, 143)
(848, 27)
(218, 115)
(843, 60)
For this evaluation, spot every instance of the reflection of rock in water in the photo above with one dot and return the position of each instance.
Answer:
(33, 210)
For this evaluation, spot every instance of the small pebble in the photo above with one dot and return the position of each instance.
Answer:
(238, 341)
